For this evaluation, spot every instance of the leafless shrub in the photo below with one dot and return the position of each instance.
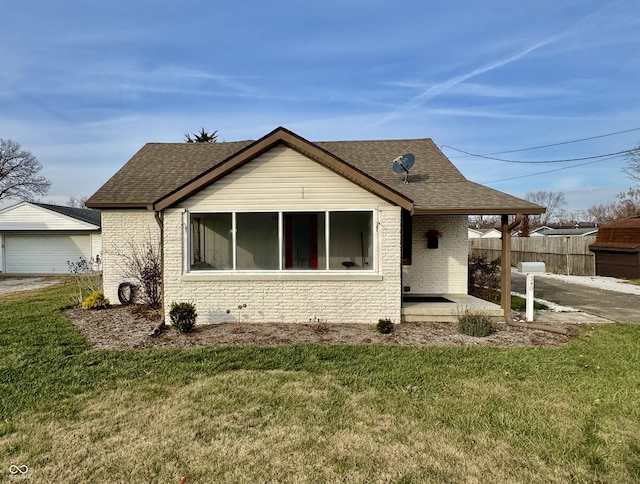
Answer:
(318, 326)
(475, 323)
(85, 278)
(484, 278)
(142, 263)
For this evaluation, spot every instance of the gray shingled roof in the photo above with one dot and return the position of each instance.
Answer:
(158, 169)
(82, 214)
(435, 184)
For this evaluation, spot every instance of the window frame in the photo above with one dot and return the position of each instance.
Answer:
(372, 256)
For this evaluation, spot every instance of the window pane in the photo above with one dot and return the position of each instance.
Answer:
(211, 242)
(257, 241)
(304, 241)
(351, 240)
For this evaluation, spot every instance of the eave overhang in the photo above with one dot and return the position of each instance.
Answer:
(479, 211)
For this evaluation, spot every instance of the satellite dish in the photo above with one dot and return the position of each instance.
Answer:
(402, 164)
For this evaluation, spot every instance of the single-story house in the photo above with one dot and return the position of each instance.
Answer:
(564, 231)
(297, 230)
(617, 249)
(39, 238)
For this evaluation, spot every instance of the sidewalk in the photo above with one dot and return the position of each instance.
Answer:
(575, 317)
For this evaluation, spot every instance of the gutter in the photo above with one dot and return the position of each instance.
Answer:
(159, 216)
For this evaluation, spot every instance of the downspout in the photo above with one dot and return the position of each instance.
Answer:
(159, 216)
(505, 264)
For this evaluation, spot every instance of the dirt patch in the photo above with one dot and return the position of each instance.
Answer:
(123, 327)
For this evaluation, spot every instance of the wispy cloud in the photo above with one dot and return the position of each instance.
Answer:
(438, 89)
(590, 21)
(473, 89)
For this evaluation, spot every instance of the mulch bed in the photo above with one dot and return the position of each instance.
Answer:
(129, 327)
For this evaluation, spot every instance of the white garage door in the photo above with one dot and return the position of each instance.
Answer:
(44, 254)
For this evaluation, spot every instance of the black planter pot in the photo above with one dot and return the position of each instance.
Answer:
(432, 242)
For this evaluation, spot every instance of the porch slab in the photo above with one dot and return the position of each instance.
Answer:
(447, 312)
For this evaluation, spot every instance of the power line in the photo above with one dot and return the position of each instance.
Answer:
(568, 160)
(550, 171)
(488, 155)
(565, 142)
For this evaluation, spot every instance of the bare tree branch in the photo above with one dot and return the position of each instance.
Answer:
(632, 169)
(77, 202)
(19, 173)
(627, 205)
(553, 201)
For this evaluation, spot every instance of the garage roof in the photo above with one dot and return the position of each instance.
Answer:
(31, 216)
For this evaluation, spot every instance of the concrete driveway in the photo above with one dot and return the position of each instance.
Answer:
(606, 304)
(15, 284)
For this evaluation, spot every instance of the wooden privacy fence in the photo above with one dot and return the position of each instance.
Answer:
(561, 255)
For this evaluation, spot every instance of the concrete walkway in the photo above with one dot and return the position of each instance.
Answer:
(599, 305)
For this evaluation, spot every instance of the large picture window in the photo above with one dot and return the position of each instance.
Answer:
(288, 241)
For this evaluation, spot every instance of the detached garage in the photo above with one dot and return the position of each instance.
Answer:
(39, 238)
(617, 249)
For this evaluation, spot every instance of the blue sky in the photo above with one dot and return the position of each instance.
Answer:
(84, 84)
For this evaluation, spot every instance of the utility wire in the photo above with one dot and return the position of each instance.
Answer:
(488, 155)
(561, 143)
(550, 171)
(624, 152)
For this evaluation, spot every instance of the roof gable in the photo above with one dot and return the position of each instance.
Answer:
(295, 142)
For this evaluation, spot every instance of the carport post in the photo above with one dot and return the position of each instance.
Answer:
(505, 264)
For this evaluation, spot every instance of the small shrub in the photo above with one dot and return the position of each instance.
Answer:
(384, 326)
(183, 316)
(475, 323)
(318, 326)
(95, 301)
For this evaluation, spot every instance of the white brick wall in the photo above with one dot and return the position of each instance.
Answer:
(122, 230)
(283, 298)
(442, 270)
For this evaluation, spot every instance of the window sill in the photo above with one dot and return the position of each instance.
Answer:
(280, 276)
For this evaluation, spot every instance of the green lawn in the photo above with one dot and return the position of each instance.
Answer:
(313, 413)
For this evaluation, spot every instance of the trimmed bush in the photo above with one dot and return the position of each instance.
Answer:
(384, 326)
(475, 323)
(95, 301)
(183, 316)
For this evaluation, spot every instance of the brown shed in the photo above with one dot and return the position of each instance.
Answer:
(617, 249)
